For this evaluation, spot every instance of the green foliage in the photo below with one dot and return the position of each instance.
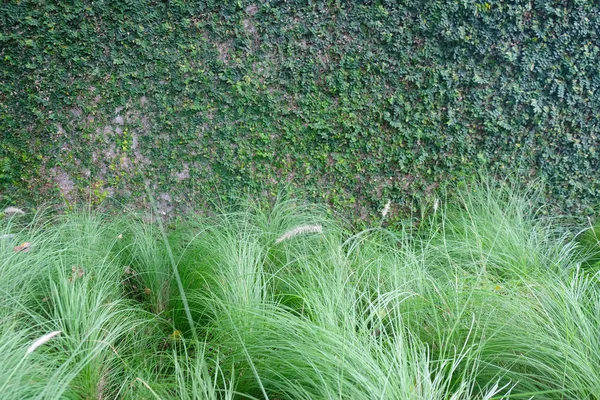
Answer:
(590, 243)
(485, 299)
(355, 102)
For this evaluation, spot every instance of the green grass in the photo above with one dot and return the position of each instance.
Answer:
(487, 298)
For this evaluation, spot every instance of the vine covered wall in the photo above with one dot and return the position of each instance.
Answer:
(354, 102)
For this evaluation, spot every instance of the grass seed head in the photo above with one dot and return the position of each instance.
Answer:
(12, 211)
(300, 230)
(386, 209)
(42, 340)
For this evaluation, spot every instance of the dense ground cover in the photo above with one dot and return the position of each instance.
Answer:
(486, 298)
(353, 102)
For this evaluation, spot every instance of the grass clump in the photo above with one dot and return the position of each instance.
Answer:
(488, 298)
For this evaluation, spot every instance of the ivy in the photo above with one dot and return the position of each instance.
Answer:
(351, 102)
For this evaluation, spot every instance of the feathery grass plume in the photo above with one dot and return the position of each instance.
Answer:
(385, 212)
(386, 209)
(299, 230)
(42, 340)
(12, 211)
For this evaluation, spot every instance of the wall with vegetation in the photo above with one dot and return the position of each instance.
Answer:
(354, 102)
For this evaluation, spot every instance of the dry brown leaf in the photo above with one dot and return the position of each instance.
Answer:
(76, 273)
(23, 247)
